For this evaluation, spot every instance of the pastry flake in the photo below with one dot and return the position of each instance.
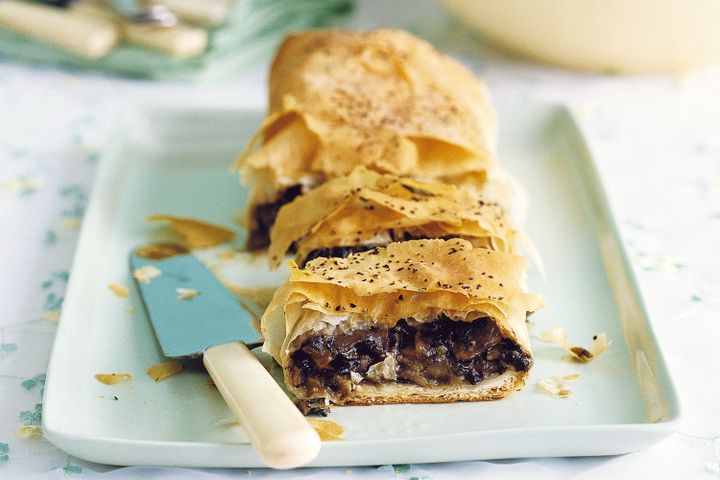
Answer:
(112, 378)
(161, 371)
(557, 386)
(195, 233)
(29, 431)
(120, 291)
(328, 430)
(146, 274)
(186, 293)
(557, 335)
(160, 251)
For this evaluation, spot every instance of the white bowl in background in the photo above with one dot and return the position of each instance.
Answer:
(625, 36)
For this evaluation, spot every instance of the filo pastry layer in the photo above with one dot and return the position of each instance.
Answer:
(366, 209)
(383, 99)
(418, 321)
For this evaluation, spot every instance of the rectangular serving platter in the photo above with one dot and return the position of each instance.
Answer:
(177, 162)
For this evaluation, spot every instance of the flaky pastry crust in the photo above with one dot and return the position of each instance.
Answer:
(382, 98)
(363, 207)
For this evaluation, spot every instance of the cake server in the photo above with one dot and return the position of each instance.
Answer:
(193, 314)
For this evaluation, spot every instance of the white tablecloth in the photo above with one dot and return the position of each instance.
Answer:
(657, 143)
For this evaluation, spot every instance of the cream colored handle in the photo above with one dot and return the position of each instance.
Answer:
(92, 38)
(180, 41)
(208, 13)
(281, 435)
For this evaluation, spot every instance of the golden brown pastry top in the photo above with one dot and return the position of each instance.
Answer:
(382, 98)
(358, 208)
(418, 279)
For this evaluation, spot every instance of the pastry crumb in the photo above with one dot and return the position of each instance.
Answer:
(52, 316)
(71, 223)
(130, 309)
(557, 386)
(226, 254)
(164, 370)
(160, 251)
(146, 274)
(328, 430)
(112, 378)
(186, 293)
(557, 335)
(120, 291)
(29, 431)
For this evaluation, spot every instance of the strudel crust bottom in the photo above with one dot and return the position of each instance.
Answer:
(383, 394)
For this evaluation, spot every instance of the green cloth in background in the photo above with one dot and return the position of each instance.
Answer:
(251, 32)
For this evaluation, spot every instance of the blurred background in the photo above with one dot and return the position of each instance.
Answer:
(641, 77)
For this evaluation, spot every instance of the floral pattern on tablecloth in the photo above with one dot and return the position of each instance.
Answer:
(657, 142)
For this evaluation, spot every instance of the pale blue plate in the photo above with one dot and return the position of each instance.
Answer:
(176, 162)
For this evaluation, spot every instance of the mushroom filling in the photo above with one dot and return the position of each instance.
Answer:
(441, 352)
(264, 218)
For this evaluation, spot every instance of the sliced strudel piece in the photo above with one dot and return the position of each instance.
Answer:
(366, 209)
(383, 99)
(417, 321)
